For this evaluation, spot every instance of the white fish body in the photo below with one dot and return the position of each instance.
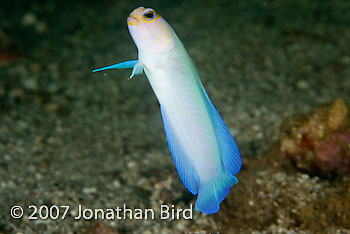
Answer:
(205, 153)
(180, 94)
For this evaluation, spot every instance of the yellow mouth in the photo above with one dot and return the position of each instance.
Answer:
(132, 20)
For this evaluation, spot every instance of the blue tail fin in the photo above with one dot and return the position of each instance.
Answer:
(212, 193)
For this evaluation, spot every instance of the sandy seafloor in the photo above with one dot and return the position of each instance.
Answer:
(70, 137)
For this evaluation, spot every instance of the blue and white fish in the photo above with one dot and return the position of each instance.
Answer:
(205, 154)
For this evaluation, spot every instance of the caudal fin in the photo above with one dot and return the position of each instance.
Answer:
(212, 193)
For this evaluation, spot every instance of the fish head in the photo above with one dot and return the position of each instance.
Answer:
(150, 31)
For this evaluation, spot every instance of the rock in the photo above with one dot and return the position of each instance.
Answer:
(319, 142)
(337, 114)
(41, 27)
(29, 19)
(30, 84)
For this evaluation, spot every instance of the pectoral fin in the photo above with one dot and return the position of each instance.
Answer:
(135, 64)
(138, 69)
(126, 64)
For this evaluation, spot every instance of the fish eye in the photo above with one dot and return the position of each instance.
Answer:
(149, 15)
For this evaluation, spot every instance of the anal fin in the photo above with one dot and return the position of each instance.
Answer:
(184, 166)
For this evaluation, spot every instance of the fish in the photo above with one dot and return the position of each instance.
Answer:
(205, 153)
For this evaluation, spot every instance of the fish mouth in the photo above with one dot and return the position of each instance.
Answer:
(132, 20)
